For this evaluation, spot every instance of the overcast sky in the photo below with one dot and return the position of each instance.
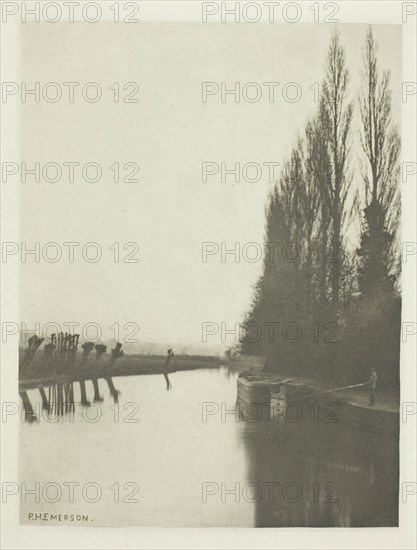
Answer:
(170, 292)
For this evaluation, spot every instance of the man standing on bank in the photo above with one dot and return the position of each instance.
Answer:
(372, 386)
(166, 368)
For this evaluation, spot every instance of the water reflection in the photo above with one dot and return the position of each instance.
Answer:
(309, 474)
(61, 401)
(29, 413)
(60, 358)
(322, 475)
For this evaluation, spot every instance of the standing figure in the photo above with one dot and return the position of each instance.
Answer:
(372, 386)
(166, 368)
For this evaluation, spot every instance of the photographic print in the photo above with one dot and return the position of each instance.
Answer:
(211, 247)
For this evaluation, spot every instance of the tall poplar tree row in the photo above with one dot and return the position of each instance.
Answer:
(310, 277)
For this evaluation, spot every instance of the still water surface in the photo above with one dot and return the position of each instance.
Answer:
(151, 460)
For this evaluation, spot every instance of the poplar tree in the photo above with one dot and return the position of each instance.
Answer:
(381, 146)
(338, 117)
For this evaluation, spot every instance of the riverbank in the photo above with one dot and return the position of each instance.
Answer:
(353, 404)
(40, 375)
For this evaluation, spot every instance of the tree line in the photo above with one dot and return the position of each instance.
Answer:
(345, 301)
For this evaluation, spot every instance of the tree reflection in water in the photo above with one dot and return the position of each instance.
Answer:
(329, 475)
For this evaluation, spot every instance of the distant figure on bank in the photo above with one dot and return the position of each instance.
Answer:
(168, 359)
(372, 386)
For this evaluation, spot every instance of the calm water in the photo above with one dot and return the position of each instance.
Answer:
(150, 460)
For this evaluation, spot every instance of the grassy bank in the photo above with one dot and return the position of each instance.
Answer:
(40, 374)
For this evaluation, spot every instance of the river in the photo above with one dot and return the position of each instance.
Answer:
(155, 459)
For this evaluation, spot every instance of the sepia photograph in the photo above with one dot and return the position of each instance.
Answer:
(208, 258)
